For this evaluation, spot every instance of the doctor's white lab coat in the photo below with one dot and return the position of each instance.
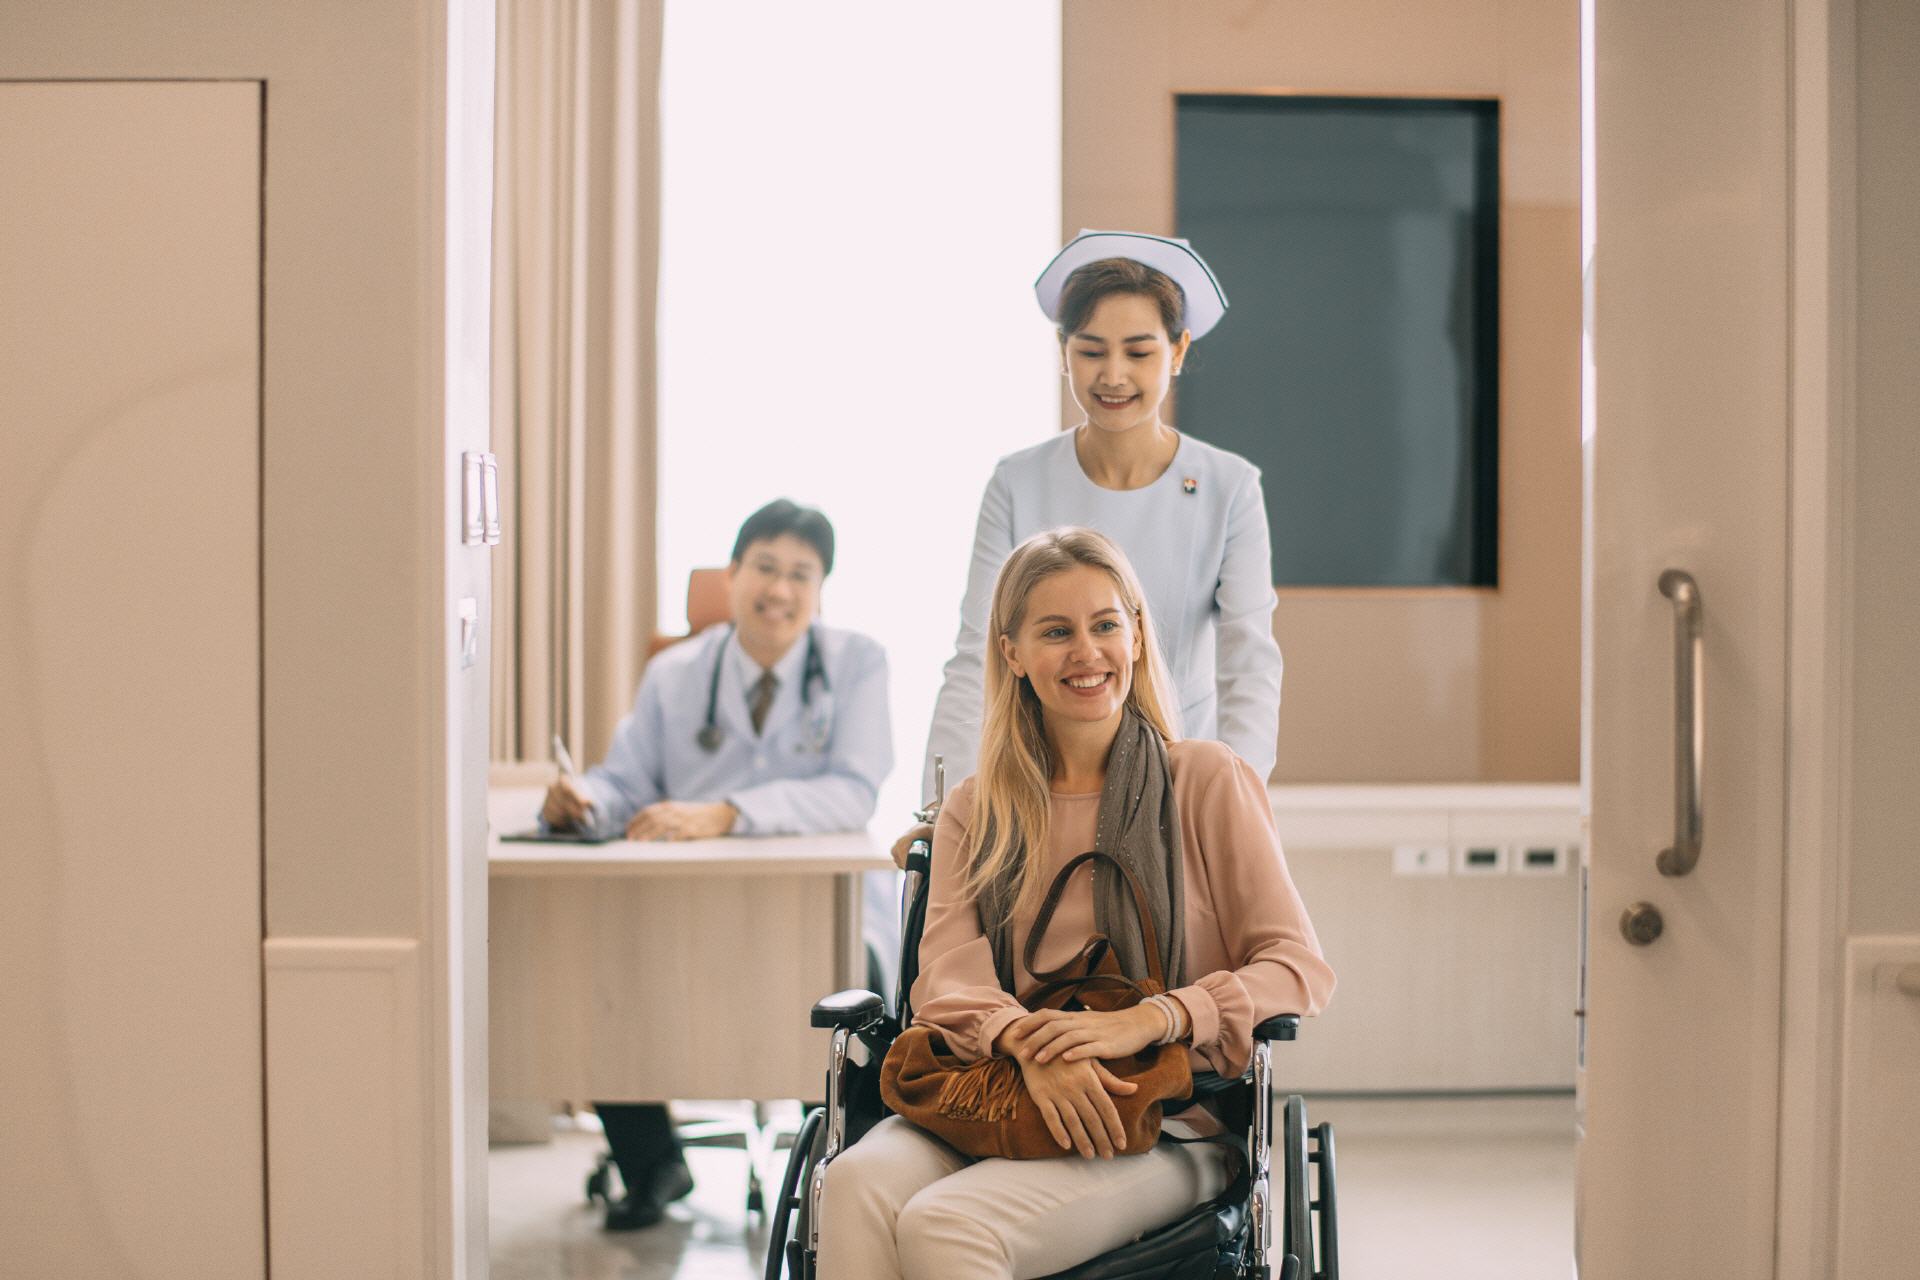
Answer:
(816, 766)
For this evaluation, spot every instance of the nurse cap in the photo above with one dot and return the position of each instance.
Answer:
(1206, 300)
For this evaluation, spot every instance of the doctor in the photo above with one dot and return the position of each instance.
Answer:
(1127, 308)
(771, 725)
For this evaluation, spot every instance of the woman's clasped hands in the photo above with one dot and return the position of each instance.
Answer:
(1059, 1054)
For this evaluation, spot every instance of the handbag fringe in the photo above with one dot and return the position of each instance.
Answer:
(987, 1090)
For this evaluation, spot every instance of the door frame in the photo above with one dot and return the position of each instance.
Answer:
(1819, 620)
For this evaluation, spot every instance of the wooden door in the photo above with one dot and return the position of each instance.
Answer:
(130, 830)
(1687, 451)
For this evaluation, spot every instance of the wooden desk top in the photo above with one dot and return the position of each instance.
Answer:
(515, 808)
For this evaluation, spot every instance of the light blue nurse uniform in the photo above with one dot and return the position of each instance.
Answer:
(1197, 538)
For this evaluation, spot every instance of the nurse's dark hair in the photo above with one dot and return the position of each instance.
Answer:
(1088, 286)
(782, 516)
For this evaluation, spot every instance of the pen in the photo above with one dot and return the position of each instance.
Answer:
(565, 760)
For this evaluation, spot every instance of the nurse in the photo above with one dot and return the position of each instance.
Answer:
(1192, 519)
(774, 724)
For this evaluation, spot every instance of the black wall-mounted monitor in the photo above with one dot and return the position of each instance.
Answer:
(1358, 365)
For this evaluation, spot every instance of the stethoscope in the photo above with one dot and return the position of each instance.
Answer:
(711, 735)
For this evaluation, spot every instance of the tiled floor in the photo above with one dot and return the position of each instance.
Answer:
(1439, 1189)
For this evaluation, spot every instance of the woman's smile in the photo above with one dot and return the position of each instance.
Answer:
(1089, 685)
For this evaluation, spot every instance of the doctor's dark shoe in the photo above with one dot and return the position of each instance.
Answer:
(634, 1211)
(672, 1181)
(631, 1213)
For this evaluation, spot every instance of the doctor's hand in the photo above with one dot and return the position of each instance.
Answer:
(674, 820)
(919, 831)
(566, 806)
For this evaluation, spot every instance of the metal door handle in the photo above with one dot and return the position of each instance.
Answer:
(1689, 723)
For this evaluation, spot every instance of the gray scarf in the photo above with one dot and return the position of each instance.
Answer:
(1140, 828)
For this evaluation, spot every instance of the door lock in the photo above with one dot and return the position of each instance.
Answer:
(1640, 923)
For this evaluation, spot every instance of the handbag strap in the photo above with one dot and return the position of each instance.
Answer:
(1089, 955)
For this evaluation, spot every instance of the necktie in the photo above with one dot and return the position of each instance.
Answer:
(762, 700)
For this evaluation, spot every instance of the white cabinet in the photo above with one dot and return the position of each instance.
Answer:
(1454, 974)
(1880, 1103)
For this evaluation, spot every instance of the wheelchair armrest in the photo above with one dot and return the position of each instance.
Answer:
(1282, 1026)
(1208, 1084)
(851, 1009)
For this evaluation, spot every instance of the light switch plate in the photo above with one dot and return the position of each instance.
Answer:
(469, 632)
(473, 522)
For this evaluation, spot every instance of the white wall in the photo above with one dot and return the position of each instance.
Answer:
(855, 203)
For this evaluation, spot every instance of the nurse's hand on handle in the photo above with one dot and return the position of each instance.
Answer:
(566, 806)
(919, 831)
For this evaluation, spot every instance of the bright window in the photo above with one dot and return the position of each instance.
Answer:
(856, 200)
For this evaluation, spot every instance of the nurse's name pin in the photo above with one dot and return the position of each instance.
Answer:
(1190, 485)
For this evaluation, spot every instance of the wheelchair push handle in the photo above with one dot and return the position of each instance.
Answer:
(919, 857)
(931, 810)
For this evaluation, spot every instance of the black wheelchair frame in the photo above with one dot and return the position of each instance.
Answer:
(1228, 1238)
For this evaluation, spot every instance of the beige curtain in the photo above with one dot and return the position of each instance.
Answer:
(576, 252)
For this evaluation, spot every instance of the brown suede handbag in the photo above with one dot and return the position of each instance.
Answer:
(982, 1108)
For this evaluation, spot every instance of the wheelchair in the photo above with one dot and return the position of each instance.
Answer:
(1228, 1238)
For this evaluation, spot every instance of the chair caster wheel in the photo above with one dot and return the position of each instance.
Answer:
(756, 1203)
(597, 1183)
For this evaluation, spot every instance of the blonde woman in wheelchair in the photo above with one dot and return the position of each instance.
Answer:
(1078, 752)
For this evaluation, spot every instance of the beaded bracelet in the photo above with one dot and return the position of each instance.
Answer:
(1165, 1004)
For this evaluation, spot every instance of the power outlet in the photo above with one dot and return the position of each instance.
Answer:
(1480, 860)
(1420, 859)
(1540, 859)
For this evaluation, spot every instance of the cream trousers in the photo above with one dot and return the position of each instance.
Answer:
(901, 1205)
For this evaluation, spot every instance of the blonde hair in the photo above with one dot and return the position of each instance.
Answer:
(1011, 805)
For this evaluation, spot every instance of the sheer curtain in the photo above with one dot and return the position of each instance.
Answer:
(576, 246)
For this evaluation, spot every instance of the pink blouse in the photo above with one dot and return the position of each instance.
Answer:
(1251, 952)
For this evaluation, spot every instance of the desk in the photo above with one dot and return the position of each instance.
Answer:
(645, 971)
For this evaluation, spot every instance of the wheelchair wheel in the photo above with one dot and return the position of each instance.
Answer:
(1323, 1205)
(1297, 1218)
(787, 1232)
(1311, 1215)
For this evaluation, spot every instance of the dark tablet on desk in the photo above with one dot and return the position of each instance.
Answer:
(537, 836)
